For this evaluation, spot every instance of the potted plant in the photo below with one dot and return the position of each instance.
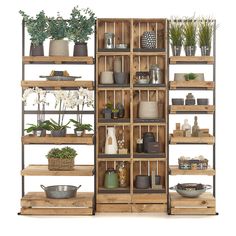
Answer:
(57, 129)
(57, 30)
(81, 26)
(115, 113)
(80, 128)
(190, 76)
(61, 159)
(176, 36)
(189, 34)
(107, 111)
(37, 29)
(205, 33)
(38, 130)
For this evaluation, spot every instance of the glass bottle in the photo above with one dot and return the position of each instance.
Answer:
(187, 128)
(195, 127)
(122, 174)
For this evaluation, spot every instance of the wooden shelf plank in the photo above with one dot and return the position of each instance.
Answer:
(174, 170)
(42, 170)
(113, 53)
(194, 108)
(155, 208)
(48, 139)
(191, 60)
(113, 190)
(141, 52)
(149, 198)
(149, 155)
(192, 84)
(118, 156)
(118, 120)
(57, 60)
(192, 140)
(57, 84)
(113, 208)
(113, 198)
(57, 211)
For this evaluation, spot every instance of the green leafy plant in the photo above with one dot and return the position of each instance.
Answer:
(36, 27)
(57, 28)
(189, 32)
(81, 127)
(64, 153)
(175, 32)
(115, 110)
(53, 125)
(109, 106)
(81, 24)
(33, 127)
(205, 32)
(190, 76)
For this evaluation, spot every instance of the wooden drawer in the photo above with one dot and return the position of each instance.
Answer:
(113, 198)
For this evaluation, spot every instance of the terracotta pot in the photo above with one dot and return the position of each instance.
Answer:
(80, 49)
(36, 50)
(59, 48)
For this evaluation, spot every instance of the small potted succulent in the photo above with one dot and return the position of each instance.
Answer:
(115, 113)
(38, 130)
(61, 159)
(37, 29)
(176, 36)
(57, 30)
(81, 26)
(57, 130)
(80, 128)
(107, 111)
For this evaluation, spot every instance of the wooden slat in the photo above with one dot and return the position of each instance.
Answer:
(155, 208)
(149, 198)
(192, 84)
(194, 108)
(42, 170)
(56, 211)
(57, 59)
(191, 59)
(39, 199)
(193, 211)
(69, 139)
(113, 198)
(149, 53)
(106, 208)
(57, 84)
(112, 53)
(174, 170)
(197, 140)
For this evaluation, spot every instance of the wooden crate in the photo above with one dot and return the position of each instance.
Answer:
(195, 108)
(192, 60)
(209, 85)
(174, 170)
(192, 140)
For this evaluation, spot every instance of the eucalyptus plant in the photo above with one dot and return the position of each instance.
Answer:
(175, 32)
(205, 32)
(190, 32)
(36, 27)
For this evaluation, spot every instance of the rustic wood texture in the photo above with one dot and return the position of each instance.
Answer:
(113, 208)
(197, 140)
(42, 170)
(149, 198)
(174, 170)
(192, 84)
(155, 208)
(193, 211)
(191, 59)
(69, 139)
(113, 198)
(57, 211)
(57, 59)
(194, 108)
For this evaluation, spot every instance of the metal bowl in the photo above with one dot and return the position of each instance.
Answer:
(60, 191)
(190, 189)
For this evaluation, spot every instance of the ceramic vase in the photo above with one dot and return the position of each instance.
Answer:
(111, 146)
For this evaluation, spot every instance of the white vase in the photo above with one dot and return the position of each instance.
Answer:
(148, 110)
(111, 142)
(106, 77)
(59, 48)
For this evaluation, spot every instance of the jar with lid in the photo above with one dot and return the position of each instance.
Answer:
(109, 40)
(156, 76)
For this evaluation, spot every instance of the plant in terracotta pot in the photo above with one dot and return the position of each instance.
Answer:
(57, 129)
(205, 34)
(57, 30)
(80, 128)
(81, 26)
(38, 130)
(37, 29)
(61, 159)
(176, 36)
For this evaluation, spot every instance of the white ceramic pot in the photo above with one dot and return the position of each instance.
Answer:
(59, 48)
(148, 110)
(111, 142)
(106, 77)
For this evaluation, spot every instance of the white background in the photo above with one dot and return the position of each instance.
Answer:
(115, 224)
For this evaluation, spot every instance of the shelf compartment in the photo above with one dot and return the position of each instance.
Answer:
(115, 190)
(42, 170)
(184, 85)
(113, 198)
(192, 140)
(69, 139)
(149, 155)
(191, 60)
(174, 170)
(57, 60)
(57, 84)
(102, 155)
(209, 109)
(202, 205)
(36, 203)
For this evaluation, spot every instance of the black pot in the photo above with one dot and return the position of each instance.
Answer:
(202, 101)
(142, 181)
(176, 50)
(205, 50)
(157, 179)
(36, 50)
(190, 50)
(80, 49)
(115, 115)
(147, 137)
(190, 101)
(121, 109)
(58, 133)
(139, 147)
(177, 101)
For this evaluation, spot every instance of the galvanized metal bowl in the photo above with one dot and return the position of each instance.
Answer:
(60, 191)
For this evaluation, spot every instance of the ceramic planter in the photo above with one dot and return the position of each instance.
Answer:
(59, 48)
(111, 179)
(121, 77)
(111, 146)
(180, 77)
(106, 77)
(177, 101)
(190, 50)
(40, 133)
(148, 110)
(115, 115)
(80, 49)
(107, 113)
(176, 50)
(79, 133)
(58, 133)
(202, 101)
(142, 181)
(205, 50)
(36, 50)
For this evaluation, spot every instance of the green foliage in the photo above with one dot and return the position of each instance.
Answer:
(109, 106)
(36, 27)
(175, 33)
(81, 24)
(64, 153)
(81, 127)
(190, 76)
(115, 110)
(57, 28)
(189, 32)
(53, 125)
(41, 126)
(205, 33)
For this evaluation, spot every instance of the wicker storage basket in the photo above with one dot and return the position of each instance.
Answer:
(193, 164)
(60, 164)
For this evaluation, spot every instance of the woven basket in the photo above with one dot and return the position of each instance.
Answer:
(60, 164)
(193, 164)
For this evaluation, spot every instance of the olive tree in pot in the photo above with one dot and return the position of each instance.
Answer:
(176, 36)
(81, 26)
(37, 29)
(57, 29)
(190, 35)
(205, 33)
(80, 128)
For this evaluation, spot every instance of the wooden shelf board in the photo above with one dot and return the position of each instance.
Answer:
(194, 108)
(118, 156)
(57, 84)
(191, 60)
(209, 85)
(113, 50)
(159, 121)
(115, 190)
(192, 140)
(150, 190)
(156, 51)
(57, 60)
(118, 120)
(149, 198)
(42, 170)
(149, 155)
(113, 53)
(69, 139)
(174, 170)
(113, 86)
(137, 86)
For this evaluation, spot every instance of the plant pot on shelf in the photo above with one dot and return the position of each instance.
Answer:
(58, 133)
(40, 133)
(121, 112)
(121, 77)
(176, 50)
(190, 50)
(59, 48)
(142, 181)
(111, 146)
(106, 113)
(36, 50)
(80, 49)
(79, 133)
(60, 164)
(205, 50)
(106, 77)
(148, 110)
(115, 114)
